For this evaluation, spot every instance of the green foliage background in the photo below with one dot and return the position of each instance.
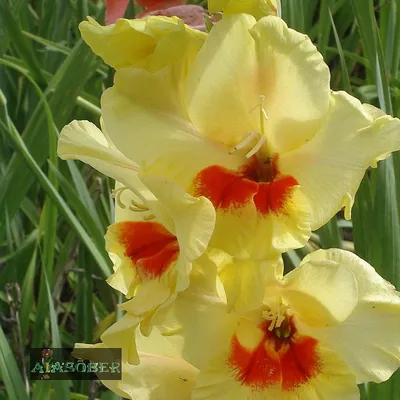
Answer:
(53, 214)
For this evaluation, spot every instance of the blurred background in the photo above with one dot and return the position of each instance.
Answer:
(53, 214)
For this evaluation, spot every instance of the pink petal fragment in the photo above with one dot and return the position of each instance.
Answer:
(115, 9)
(191, 15)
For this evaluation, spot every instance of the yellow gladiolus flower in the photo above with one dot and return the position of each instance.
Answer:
(159, 229)
(150, 43)
(257, 8)
(256, 129)
(321, 329)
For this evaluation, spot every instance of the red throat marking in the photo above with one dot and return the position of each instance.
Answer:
(149, 245)
(288, 362)
(226, 188)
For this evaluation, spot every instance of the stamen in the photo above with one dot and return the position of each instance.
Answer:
(257, 147)
(135, 206)
(262, 138)
(276, 316)
(138, 207)
(246, 141)
(116, 194)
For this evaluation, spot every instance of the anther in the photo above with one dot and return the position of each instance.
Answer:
(148, 217)
(276, 316)
(246, 141)
(137, 207)
(260, 105)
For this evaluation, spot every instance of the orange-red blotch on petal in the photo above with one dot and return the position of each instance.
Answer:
(271, 196)
(290, 362)
(258, 182)
(224, 188)
(149, 245)
(255, 368)
(299, 362)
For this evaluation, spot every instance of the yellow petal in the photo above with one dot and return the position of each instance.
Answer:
(243, 60)
(194, 218)
(197, 309)
(150, 43)
(321, 293)
(156, 378)
(160, 373)
(145, 133)
(257, 8)
(244, 283)
(368, 339)
(83, 141)
(122, 334)
(330, 166)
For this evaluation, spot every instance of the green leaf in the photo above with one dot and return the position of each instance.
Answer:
(9, 371)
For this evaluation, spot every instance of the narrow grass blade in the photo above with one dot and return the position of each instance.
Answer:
(103, 265)
(61, 387)
(9, 371)
(20, 43)
(65, 86)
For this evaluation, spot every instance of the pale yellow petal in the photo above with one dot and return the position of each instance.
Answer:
(368, 340)
(245, 66)
(144, 134)
(221, 83)
(83, 141)
(195, 324)
(257, 8)
(244, 283)
(321, 293)
(142, 42)
(155, 378)
(122, 334)
(330, 166)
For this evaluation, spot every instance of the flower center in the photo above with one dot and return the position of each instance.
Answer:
(257, 181)
(273, 352)
(276, 313)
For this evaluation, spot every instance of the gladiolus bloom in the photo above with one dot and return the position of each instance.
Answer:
(273, 172)
(159, 230)
(317, 333)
